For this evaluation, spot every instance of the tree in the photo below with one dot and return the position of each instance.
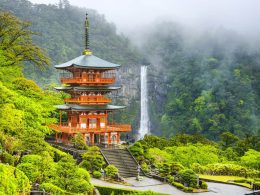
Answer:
(228, 139)
(16, 42)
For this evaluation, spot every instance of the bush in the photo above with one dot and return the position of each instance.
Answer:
(178, 185)
(120, 191)
(78, 142)
(188, 176)
(8, 158)
(204, 185)
(144, 167)
(97, 174)
(49, 187)
(176, 167)
(137, 149)
(111, 171)
(92, 159)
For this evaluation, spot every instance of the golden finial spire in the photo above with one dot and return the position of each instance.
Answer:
(86, 51)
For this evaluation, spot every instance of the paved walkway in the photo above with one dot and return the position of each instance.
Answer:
(157, 186)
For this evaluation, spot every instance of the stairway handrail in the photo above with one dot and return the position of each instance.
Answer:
(104, 156)
(136, 161)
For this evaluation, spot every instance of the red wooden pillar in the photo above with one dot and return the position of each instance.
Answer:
(118, 138)
(109, 138)
(91, 138)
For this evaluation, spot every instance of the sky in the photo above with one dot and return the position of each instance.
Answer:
(242, 16)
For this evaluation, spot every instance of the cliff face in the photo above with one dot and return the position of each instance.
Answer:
(129, 95)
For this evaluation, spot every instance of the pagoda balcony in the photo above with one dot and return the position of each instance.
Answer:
(89, 100)
(89, 81)
(65, 128)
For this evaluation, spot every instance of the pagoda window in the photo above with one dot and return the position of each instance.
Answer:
(83, 123)
(92, 123)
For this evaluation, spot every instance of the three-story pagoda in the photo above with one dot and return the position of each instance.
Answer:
(88, 79)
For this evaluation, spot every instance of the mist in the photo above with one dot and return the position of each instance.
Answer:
(132, 15)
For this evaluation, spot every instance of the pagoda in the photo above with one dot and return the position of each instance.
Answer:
(88, 79)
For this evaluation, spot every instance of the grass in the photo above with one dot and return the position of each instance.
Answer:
(226, 179)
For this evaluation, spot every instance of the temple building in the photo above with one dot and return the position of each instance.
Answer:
(88, 79)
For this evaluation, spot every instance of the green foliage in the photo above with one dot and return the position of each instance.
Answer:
(153, 141)
(92, 160)
(78, 142)
(7, 158)
(204, 185)
(97, 174)
(251, 159)
(145, 167)
(120, 191)
(197, 153)
(51, 188)
(71, 178)
(38, 168)
(137, 149)
(225, 169)
(16, 42)
(111, 171)
(211, 87)
(188, 177)
(228, 139)
(13, 181)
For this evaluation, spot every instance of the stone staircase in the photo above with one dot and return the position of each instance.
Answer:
(123, 160)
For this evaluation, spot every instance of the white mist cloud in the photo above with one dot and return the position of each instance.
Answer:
(238, 15)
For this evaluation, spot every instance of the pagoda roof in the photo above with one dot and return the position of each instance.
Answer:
(76, 107)
(88, 88)
(88, 61)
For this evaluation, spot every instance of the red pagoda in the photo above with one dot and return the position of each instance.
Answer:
(88, 79)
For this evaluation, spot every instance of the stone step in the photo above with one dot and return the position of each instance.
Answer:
(123, 160)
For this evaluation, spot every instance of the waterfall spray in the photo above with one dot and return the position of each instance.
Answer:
(144, 121)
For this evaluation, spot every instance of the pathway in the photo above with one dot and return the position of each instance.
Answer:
(157, 186)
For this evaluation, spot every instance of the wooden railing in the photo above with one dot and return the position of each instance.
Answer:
(89, 100)
(64, 127)
(80, 80)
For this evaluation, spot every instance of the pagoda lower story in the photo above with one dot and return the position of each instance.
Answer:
(92, 125)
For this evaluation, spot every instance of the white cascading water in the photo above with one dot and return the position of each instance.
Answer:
(144, 121)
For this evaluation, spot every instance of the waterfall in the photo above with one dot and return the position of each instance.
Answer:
(144, 121)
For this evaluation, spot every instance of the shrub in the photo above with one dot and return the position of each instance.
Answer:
(92, 159)
(178, 185)
(97, 174)
(204, 185)
(120, 191)
(30, 171)
(78, 142)
(137, 149)
(111, 171)
(176, 167)
(164, 169)
(49, 187)
(144, 167)
(188, 176)
(8, 158)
